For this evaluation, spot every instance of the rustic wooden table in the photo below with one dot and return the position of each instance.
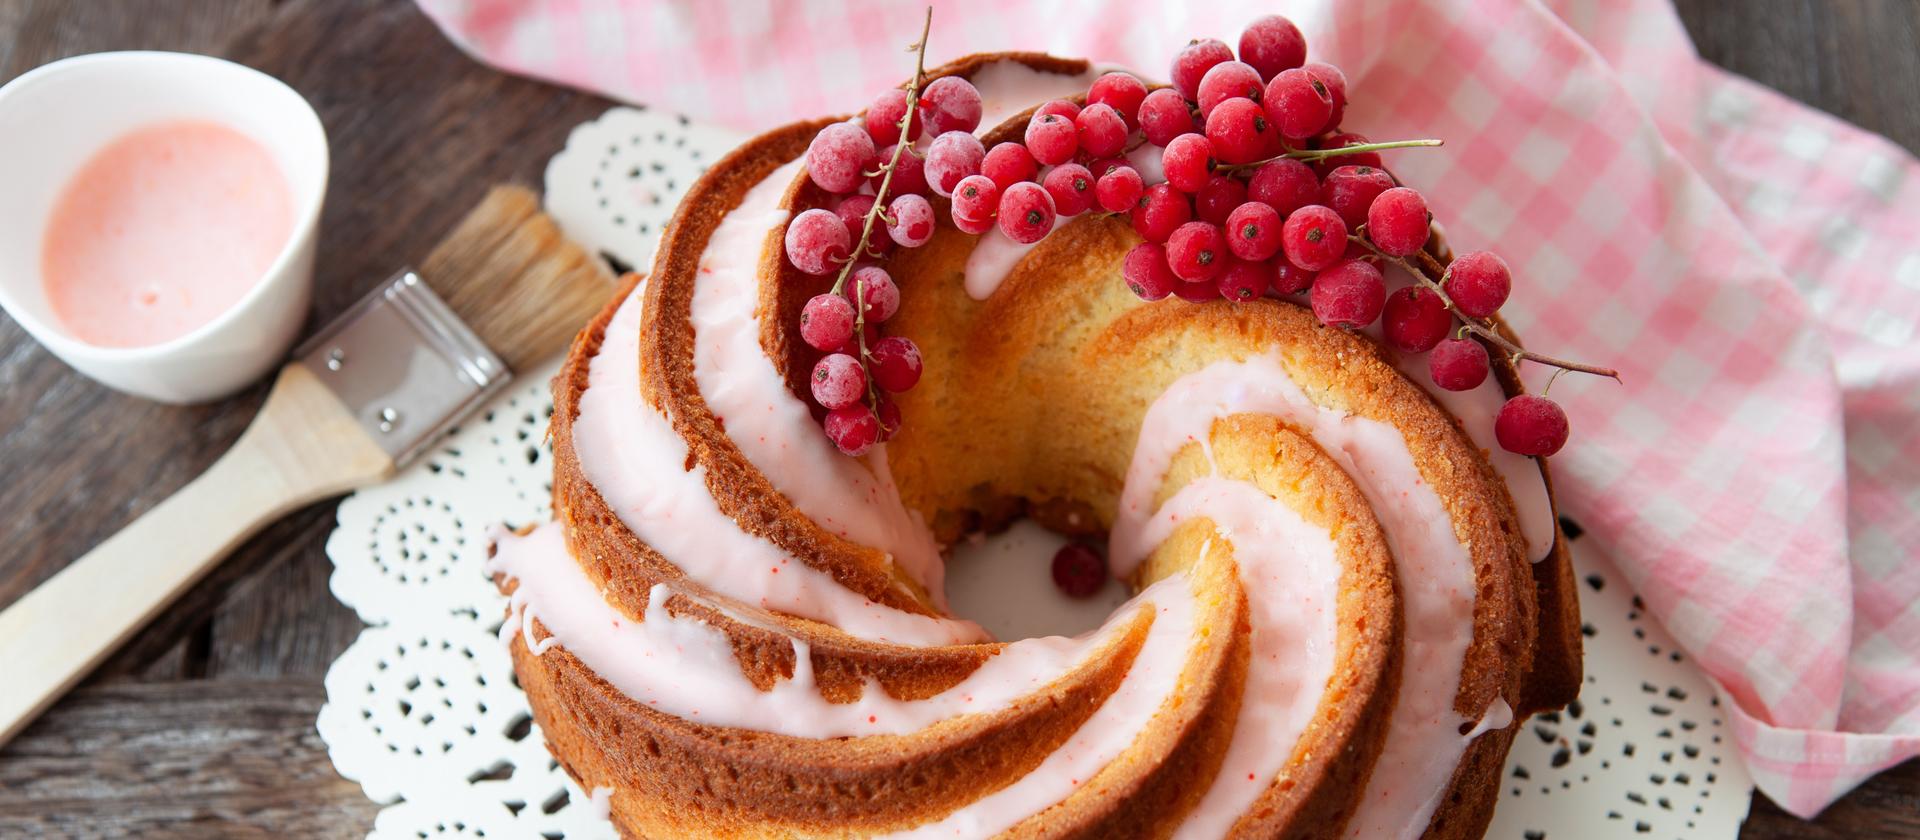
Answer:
(203, 725)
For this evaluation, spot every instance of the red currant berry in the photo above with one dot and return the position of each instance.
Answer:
(912, 223)
(1071, 187)
(1008, 164)
(1272, 44)
(1026, 212)
(875, 285)
(1285, 185)
(1187, 161)
(1291, 279)
(1350, 190)
(1119, 190)
(1193, 62)
(837, 157)
(1197, 251)
(909, 174)
(884, 115)
(1349, 295)
(1059, 107)
(1102, 132)
(1416, 320)
(1216, 200)
(1531, 425)
(1313, 237)
(853, 211)
(1229, 80)
(950, 103)
(1122, 91)
(1199, 291)
(826, 322)
(1101, 167)
(1164, 116)
(1336, 84)
(1397, 221)
(975, 201)
(817, 241)
(889, 417)
(838, 381)
(1052, 138)
(1146, 272)
(853, 429)
(869, 333)
(1298, 103)
(1253, 232)
(1079, 571)
(1342, 140)
(951, 157)
(1240, 132)
(1243, 281)
(1458, 364)
(1478, 282)
(1160, 212)
(896, 363)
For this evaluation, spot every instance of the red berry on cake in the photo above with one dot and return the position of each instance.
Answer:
(1299, 103)
(1229, 80)
(1349, 295)
(1217, 198)
(950, 103)
(1009, 163)
(1121, 91)
(951, 157)
(889, 416)
(853, 429)
(1146, 272)
(1291, 279)
(909, 174)
(1164, 115)
(1253, 231)
(817, 241)
(1187, 161)
(874, 285)
(1198, 291)
(912, 223)
(853, 211)
(1052, 138)
(1160, 212)
(1079, 571)
(1059, 107)
(1070, 186)
(1193, 62)
(1272, 44)
(1285, 185)
(1240, 132)
(1478, 282)
(1530, 424)
(1026, 212)
(1458, 364)
(975, 201)
(896, 363)
(1197, 251)
(1102, 132)
(1415, 320)
(1314, 237)
(1119, 190)
(1350, 191)
(838, 157)
(884, 115)
(826, 321)
(838, 381)
(1336, 84)
(1243, 280)
(1398, 221)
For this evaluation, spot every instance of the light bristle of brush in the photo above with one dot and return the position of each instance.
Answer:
(515, 279)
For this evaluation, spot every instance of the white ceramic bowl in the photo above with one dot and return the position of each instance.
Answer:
(53, 119)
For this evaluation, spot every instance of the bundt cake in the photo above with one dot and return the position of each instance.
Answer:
(1347, 596)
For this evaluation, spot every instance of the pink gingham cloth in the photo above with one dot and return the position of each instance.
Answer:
(1751, 266)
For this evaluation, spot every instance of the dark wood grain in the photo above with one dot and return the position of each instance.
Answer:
(203, 725)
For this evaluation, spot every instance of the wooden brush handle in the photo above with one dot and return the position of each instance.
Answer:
(303, 446)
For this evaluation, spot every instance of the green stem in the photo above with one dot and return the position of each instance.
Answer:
(1316, 155)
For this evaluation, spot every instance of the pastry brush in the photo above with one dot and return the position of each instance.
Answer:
(360, 400)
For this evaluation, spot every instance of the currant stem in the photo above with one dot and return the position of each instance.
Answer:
(1317, 155)
(1430, 268)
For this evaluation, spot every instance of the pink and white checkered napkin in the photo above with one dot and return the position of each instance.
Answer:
(1751, 266)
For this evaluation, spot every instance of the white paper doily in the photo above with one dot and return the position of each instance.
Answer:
(423, 710)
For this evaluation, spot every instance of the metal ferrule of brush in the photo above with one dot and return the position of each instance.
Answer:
(405, 365)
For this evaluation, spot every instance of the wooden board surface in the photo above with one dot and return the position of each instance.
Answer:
(203, 726)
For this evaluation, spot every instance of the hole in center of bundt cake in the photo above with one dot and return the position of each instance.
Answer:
(1004, 582)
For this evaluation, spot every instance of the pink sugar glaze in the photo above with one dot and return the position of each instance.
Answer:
(162, 231)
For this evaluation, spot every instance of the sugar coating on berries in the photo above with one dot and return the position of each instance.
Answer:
(1240, 132)
(1272, 44)
(873, 285)
(1253, 231)
(1009, 163)
(1026, 212)
(1531, 424)
(826, 321)
(1102, 132)
(1350, 191)
(838, 156)
(1299, 103)
(896, 363)
(1160, 212)
(912, 223)
(1164, 115)
(1078, 571)
(1478, 282)
(1229, 80)
(1349, 295)
(883, 117)
(975, 201)
(1458, 364)
(838, 381)
(1197, 251)
(1187, 161)
(1314, 237)
(1119, 190)
(1398, 221)
(1071, 187)
(1052, 139)
(817, 241)
(1146, 271)
(951, 157)
(1285, 185)
(853, 429)
(1335, 82)
(1415, 320)
(1243, 280)
(950, 103)
(1121, 91)
(1193, 62)
(1217, 198)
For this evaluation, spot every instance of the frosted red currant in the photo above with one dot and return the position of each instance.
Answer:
(1198, 291)
(1217, 198)
(1458, 364)
(1070, 186)
(909, 174)
(912, 223)
(1102, 132)
(889, 416)
(1197, 251)
(1313, 237)
(1350, 191)
(896, 363)
(1349, 295)
(1160, 212)
(1052, 138)
(853, 429)
(838, 157)
(951, 157)
(1478, 282)
(1397, 221)
(1059, 107)
(1285, 185)
(1243, 280)
(1344, 139)
(1336, 84)
(838, 380)
(1009, 163)
(869, 333)
(1187, 161)
(1253, 231)
(1229, 80)
(1078, 571)
(1290, 279)
(1240, 132)
(1193, 62)
(853, 211)
(1298, 103)
(884, 115)
(1121, 91)
(1272, 44)
(1105, 165)
(975, 200)
(1415, 320)
(1119, 190)
(1530, 424)
(1164, 115)
(1026, 212)
(817, 241)
(873, 284)
(826, 321)
(1146, 272)
(950, 103)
